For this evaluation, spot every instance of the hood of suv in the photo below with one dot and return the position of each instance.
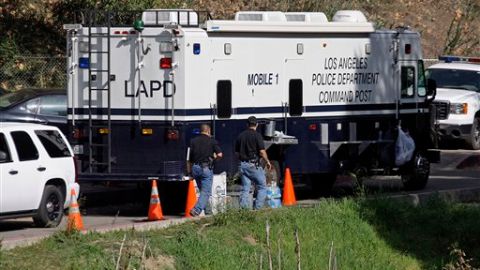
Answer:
(456, 95)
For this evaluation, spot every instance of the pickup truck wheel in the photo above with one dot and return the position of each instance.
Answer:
(50, 211)
(415, 174)
(473, 140)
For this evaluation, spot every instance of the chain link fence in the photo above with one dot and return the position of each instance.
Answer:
(33, 72)
(48, 72)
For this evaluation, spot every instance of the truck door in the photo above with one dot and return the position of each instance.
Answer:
(408, 97)
(21, 180)
(225, 90)
(293, 93)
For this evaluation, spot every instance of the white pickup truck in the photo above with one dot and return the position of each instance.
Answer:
(458, 98)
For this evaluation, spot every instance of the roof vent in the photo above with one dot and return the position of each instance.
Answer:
(349, 16)
(186, 17)
(314, 17)
(266, 16)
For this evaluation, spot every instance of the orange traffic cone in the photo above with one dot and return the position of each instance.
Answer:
(288, 191)
(155, 209)
(75, 222)
(191, 198)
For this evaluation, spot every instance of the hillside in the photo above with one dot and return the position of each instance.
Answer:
(34, 27)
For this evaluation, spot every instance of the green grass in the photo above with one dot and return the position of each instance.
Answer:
(366, 234)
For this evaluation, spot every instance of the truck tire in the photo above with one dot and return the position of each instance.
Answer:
(415, 174)
(50, 211)
(473, 140)
(322, 183)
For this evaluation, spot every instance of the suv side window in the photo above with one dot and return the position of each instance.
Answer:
(4, 149)
(25, 148)
(55, 105)
(53, 143)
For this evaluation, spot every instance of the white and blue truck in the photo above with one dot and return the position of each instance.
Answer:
(331, 94)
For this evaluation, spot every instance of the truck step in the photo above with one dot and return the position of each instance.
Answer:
(98, 145)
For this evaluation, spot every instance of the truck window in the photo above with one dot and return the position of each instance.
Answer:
(422, 90)
(4, 149)
(455, 78)
(53, 143)
(224, 99)
(25, 148)
(295, 97)
(408, 82)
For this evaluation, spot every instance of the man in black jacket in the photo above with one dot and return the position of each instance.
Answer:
(250, 147)
(203, 151)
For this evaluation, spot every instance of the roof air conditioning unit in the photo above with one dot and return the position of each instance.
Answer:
(349, 16)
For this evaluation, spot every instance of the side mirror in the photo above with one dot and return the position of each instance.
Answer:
(3, 157)
(431, 87)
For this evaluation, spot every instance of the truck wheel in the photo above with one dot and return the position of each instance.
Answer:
(50, 211)
(322, 183)
(473, 140)
(416, 173)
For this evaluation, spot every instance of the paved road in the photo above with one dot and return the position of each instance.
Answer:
(458, 169)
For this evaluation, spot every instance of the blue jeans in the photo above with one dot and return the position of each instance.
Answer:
(249, 172)
(204, 178)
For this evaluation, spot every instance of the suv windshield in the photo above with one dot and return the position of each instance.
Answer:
(12, 98)
(455, 78)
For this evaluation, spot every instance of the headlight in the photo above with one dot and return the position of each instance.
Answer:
(459, 108)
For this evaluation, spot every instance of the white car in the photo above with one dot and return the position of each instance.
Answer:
(37, 173)
(458, 98)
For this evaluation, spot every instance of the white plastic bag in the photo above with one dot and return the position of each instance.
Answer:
(219, 193)
(404, 148)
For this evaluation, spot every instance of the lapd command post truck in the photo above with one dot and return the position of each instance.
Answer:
(331, 93)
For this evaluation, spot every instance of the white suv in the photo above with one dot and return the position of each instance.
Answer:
(458, 98)
(37, 172)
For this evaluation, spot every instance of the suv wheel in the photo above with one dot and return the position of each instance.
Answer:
(473, 140)
(50, 212)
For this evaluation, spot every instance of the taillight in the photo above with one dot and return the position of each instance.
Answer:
(77, 133)
(147, 131)
(165, 63)
(172, 135)
(103, 131)
(312, 127)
